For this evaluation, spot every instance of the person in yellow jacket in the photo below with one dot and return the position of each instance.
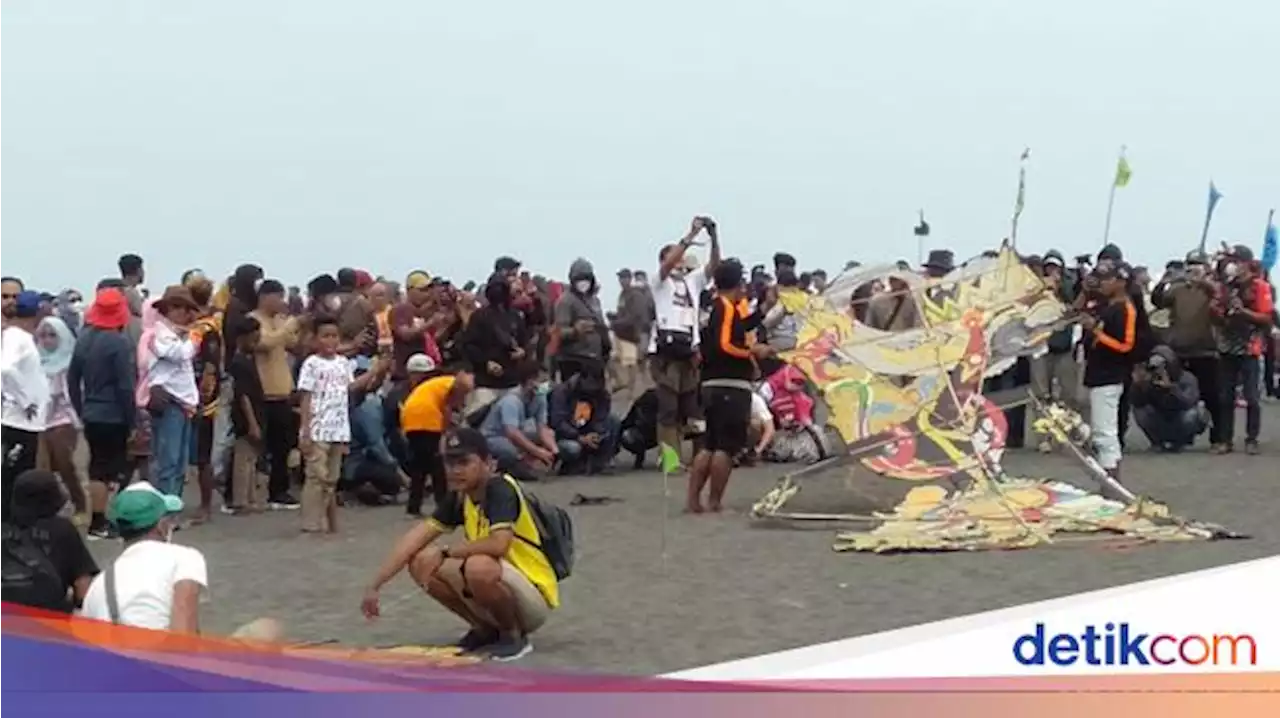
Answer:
(497, 579)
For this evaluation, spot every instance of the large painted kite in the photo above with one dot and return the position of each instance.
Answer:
(910, 407)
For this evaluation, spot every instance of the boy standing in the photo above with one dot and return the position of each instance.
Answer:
(247, 493)
(326, 382)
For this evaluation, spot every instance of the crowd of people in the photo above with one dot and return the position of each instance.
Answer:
(368, 390)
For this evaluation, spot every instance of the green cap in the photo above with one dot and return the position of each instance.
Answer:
(140, 507)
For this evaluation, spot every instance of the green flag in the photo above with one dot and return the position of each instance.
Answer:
(1123, 173)
(670, 459)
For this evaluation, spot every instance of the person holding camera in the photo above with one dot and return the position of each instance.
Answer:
(1166, 401)
(1190, 296)
(674, 345)
(1246, 320)
(1057, 365)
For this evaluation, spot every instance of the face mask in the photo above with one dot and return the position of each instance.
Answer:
(332, 301)
(76, 306)
(543, 389)
(638, 283)
(1231, 270)
(582, 286)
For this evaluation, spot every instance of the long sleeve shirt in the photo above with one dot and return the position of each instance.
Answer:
(172, 368)
(102, 376)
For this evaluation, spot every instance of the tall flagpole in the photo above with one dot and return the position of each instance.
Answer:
(1021, 200)
(1111, 199)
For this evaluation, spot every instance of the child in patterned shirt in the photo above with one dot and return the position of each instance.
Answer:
(328, 384)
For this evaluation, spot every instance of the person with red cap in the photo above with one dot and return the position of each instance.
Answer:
(100, 384)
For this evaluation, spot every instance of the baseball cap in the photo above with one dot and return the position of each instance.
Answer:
(140, 506)
(417, 280)
(506, 264)
(419, 364)
(27, 303)
(464, 443)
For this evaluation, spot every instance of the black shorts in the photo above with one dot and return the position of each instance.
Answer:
(201, 453)
(728, 415)
(108, 451)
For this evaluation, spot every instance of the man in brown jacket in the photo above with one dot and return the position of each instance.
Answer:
(279, 336)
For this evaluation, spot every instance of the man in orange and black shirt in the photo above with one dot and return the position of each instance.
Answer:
(1111, 338)
(728, 368)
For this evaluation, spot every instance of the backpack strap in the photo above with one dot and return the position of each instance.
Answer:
(113, 601)
(533, 516)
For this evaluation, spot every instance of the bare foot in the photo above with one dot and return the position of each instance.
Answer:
(202, 517)
(716, 507)
(693, 509)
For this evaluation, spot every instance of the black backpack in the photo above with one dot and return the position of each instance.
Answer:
(555, 530)
(29, 577)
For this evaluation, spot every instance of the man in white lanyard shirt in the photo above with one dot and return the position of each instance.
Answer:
(673, 348)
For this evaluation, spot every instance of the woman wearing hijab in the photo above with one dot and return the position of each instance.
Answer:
(35, 531)
(69, 307)
(62, 428)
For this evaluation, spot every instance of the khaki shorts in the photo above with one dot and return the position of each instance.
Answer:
(627, 353)
(530, 605)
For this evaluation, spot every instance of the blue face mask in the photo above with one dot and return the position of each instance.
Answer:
(543, 389)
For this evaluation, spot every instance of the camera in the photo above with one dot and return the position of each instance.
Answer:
(1158, 368)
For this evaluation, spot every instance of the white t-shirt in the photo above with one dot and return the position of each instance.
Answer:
(329, 382)
(676, 302)
(760, 410)
(146, 573)
(24, 398)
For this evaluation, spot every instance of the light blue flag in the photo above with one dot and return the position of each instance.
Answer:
(1270, 244)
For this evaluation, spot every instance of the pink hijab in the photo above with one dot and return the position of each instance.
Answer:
(146, 354)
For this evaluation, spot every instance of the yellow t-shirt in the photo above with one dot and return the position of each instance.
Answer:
(503, 506)
(426, 407)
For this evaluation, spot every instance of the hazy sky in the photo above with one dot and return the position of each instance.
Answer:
(393, 134)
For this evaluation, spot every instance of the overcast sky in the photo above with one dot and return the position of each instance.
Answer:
(392, 134)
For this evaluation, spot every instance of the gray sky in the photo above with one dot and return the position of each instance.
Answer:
(393, 134)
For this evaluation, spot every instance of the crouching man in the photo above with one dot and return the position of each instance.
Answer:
(1166, 401)
(497, 579)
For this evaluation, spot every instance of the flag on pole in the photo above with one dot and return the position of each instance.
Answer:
(1022, 185)
(1214, 197)
(1021, 200)
(1270, 244)
(1123, 173)
(669, 459)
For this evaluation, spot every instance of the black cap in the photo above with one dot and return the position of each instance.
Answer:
(506, 264)
(1111, 252)
(464, 443)
(782, 258)
(1242, 253)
